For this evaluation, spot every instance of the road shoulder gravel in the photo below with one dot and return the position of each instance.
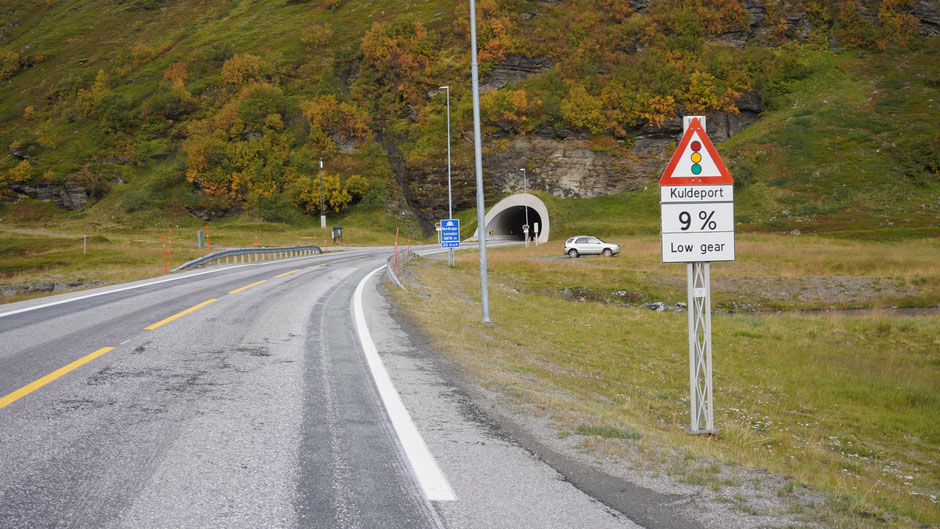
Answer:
(499, 483)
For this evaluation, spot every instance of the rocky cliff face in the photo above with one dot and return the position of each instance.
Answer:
(569, 167)
(68, 196)
(567, 164)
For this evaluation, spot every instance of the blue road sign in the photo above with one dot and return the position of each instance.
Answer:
(450, 233)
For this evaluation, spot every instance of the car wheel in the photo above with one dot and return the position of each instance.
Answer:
(572, 253)
(608, 252)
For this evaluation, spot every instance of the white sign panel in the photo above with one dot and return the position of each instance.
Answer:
(698, 218)
(697, 223)
(676, 194)
(695, 247)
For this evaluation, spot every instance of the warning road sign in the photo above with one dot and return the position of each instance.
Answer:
(697, 202)
(695, 162)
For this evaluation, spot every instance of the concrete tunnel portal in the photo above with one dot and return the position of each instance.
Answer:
(504, 221)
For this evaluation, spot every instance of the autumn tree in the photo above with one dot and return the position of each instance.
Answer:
(316, 35)
(240, 70)
(358, 186)
(9, 64)
(581, 110)
(399, 54)
(177, 73)
(89, 100)
(494, 32)
(506, 108)
(305, 193)
(898, 25)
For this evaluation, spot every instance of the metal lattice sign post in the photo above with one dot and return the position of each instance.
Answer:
(697, 205)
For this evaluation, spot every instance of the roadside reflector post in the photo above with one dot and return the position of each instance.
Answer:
(697, 207)
(84, 244)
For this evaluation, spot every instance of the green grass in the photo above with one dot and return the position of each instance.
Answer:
(771, 273)
(844, 404)
(608, 432)
(854, 149)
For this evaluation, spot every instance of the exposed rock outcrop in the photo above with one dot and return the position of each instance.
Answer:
(566, 163)
(514, 68)
(565, 168)
(68, 196)
(928, 13)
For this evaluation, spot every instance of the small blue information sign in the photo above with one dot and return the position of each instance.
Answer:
(450, 233)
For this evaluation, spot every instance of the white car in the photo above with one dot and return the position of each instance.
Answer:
(587, 245)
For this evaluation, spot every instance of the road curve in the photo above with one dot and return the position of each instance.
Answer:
(242, 398)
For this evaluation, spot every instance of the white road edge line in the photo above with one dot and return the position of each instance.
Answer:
(242, 265)
(430, 477)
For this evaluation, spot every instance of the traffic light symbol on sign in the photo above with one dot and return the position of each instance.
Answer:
(695, 162)
(696, 158)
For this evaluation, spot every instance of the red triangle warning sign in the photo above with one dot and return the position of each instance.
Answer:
(695, 162)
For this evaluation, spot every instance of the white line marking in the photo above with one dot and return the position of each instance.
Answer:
(430, 477)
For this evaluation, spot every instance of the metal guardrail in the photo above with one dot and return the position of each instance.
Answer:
(391, 274)
(246, 255)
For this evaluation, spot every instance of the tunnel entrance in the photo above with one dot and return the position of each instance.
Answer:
(504, 221)
(508, 224)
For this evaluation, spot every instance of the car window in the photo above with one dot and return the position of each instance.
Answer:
(582, 240)
(571, 240)
(593, 240)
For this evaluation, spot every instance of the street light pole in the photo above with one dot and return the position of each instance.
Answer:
(525, 204)
(478, 159)
(322, 213)
(450, 200)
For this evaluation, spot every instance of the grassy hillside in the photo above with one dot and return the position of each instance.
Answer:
(165, 109)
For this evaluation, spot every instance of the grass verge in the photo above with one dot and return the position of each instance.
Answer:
(844, 404)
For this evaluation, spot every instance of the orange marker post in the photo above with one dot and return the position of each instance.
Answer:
(395, 254)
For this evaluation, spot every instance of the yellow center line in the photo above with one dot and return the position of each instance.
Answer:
(26, 390)
(185, 312)
(287, 273)
(318, 266)
(246, 287)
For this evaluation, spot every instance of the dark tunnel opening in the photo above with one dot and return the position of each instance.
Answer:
(508, 224)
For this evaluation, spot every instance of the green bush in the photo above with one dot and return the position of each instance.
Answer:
(116, 111)
(276, 208)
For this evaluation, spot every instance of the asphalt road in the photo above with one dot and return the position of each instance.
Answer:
(256, 408)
